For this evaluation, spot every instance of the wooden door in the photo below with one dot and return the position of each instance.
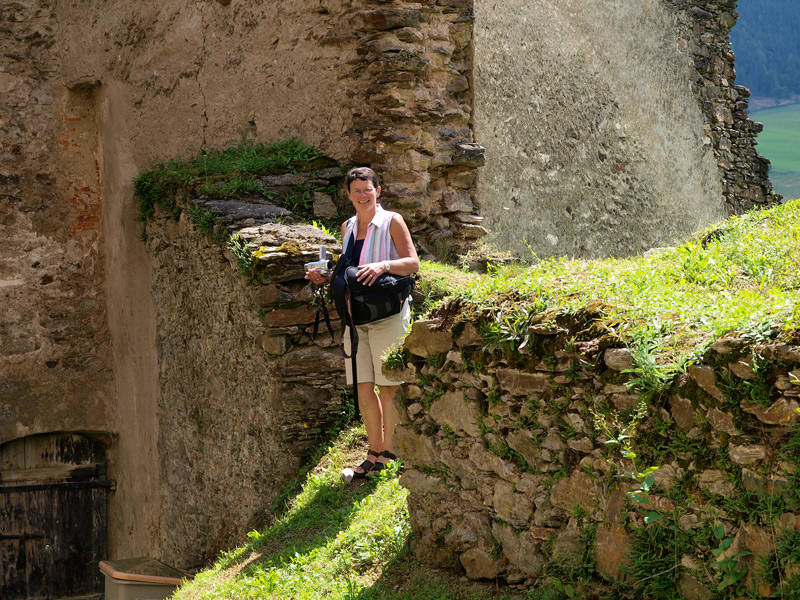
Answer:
(53, 495)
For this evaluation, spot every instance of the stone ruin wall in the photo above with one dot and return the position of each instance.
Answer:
(54, 339)
(245, 386)
(91, 92)
(651, 141)
(414, 120)
(507, 470)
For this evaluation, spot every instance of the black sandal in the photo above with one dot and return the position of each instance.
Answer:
(379, 466)
(366, 466)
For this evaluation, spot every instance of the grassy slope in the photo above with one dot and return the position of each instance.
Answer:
(334, 541)
(351, 541)
(780, 143)
(740, 277)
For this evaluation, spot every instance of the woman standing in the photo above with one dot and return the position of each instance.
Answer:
(381, 243)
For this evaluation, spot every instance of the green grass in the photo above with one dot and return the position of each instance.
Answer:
(740, 277)
(227, 173)
(335, 541)
(780, 143)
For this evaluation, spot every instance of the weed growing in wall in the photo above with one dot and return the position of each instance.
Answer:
(395, 357)
(509, 331)
(649, 377)
(791, 452)
(229, 173)
(655, 557)
(573, 574)
(243, 252)
(781, 568)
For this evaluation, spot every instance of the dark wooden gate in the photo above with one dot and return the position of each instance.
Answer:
(53, 495)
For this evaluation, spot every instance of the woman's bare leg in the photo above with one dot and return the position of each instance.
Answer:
(390, 417)
(370, 407)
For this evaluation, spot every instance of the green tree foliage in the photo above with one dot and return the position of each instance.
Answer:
(766, 41)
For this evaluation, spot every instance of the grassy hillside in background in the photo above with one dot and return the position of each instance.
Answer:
(352, 541)
(780, 143)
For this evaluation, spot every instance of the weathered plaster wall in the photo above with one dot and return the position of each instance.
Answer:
(509, 471)
(601, 123)
(54, 343)
(387, 86)
(135, 506)
(209, 73)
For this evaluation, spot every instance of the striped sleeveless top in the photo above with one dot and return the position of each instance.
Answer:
(378, 244)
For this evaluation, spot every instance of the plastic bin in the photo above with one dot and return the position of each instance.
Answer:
(141, 578)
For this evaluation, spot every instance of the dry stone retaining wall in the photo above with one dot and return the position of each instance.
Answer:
(245, 385)
(509, 472)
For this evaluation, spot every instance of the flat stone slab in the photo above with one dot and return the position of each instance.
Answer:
(274, 235)
(233, 212)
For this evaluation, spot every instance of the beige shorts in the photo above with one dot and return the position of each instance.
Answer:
(373, 340)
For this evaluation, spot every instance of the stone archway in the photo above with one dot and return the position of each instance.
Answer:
(53, 496)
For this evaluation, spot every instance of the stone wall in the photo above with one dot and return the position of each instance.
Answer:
(413, 118)
(705, 35)
(511, 474)
(55, 374)
(245, 387)
(92, 92)
(609, 128)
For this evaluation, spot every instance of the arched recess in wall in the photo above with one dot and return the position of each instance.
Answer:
(53, 498)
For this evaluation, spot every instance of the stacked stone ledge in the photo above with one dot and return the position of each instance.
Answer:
(729, 132)
(506, 469)
(412, 102)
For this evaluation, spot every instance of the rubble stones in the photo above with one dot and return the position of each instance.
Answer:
(612, 552)
(782, 412)
(521, 550)
(520, 383)
(682, 412)
(533, 457)
(706, 379)
(743, 369)
(577, 490)
(479, 564)
(745, 455)
(513, 508)
(426, 338)
(618, 359)
(454, 411)
(716, 482)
